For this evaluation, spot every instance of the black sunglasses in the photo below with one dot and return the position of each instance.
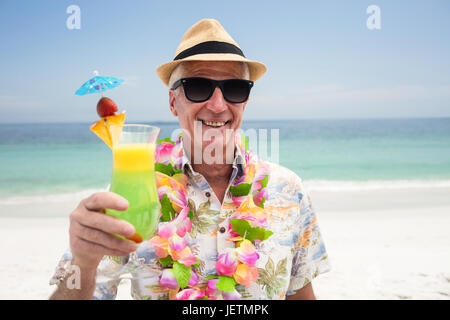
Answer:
(198, 89)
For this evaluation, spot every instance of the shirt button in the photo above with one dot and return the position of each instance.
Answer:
(222, 230)
(208, 194)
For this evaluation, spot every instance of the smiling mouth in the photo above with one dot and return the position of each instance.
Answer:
(215, 124)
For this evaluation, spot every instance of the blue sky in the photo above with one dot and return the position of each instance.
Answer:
(323, 62)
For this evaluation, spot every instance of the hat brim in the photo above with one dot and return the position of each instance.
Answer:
(256, 69)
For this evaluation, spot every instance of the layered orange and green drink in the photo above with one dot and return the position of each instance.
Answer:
(133, 177)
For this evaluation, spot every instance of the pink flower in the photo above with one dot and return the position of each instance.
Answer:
(177, 197)
(168, 279)
(227, 263)
(259, 196)
(231, 295)
(184, 256)
(249, 172)
(163, 152)
(167, 229)
(194, 278)
(247, 253)
(183, 223)
(256, 185)
(211, 290)
(174, 187)
(262, 170)
(177, 243)
(238, 200)
(181, 178)
(177, 155)
(170, 239)
(180, 225)
(161, 246)
(190, 294)
(214, 293)
(245, 275)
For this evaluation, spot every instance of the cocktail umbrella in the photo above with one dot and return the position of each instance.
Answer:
(98, 84)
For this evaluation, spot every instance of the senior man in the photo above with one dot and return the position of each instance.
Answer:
(209, 85)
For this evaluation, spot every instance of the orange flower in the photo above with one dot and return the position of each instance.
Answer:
(245, 275)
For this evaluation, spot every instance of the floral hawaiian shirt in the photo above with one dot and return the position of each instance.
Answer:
(289, 259)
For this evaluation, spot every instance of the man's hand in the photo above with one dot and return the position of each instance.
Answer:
(91, 237)
(305, 293)
(91, 231)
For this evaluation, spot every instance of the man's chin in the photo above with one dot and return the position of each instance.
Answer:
(216, 151)
(221, 135)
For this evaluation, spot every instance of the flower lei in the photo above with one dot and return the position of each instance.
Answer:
(246, 227)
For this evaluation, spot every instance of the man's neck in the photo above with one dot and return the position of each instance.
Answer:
(214, 173)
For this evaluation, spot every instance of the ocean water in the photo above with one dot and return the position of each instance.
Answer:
(47, 159)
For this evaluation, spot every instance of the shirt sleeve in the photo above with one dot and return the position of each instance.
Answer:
(310, 256)
(105, 287)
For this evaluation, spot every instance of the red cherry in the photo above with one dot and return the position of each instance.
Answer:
(106, 107)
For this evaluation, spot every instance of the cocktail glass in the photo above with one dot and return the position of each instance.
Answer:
(133, 177)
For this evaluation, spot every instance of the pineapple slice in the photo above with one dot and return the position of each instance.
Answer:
(109, 128)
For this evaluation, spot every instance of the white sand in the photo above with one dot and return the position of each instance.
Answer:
(382, 244)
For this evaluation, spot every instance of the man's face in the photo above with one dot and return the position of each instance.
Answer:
(216, 109)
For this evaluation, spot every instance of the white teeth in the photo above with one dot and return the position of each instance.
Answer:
(214, 124)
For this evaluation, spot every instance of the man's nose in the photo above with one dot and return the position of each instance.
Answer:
(217, 102)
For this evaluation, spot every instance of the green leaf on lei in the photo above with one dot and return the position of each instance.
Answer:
(265, 181)
(165, 168)
(181, 273)
(226, 283)
(261, 205)
(244, 229)
(240, 190)
(167, 261)
(168, 212)
(165, 140)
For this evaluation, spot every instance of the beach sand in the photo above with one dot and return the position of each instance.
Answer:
(382, 244)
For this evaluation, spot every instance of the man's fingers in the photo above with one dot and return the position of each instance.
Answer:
(104, 222)
(105, 239)
(105, 200)
(96, 248)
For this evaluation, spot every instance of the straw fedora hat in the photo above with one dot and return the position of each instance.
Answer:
(207, 40)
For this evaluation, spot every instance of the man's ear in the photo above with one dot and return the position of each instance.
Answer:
(172, 102)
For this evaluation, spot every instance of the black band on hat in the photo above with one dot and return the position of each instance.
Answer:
(210, 47)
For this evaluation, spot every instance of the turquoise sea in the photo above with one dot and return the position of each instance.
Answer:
(43, 159)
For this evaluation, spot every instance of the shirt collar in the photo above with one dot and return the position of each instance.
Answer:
(238, 164)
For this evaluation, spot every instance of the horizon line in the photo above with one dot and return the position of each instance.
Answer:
(249, 120)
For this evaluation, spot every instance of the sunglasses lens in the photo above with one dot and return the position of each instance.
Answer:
(197, 90)
(236, 91)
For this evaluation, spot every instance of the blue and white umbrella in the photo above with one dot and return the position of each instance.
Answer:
(98, 84)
